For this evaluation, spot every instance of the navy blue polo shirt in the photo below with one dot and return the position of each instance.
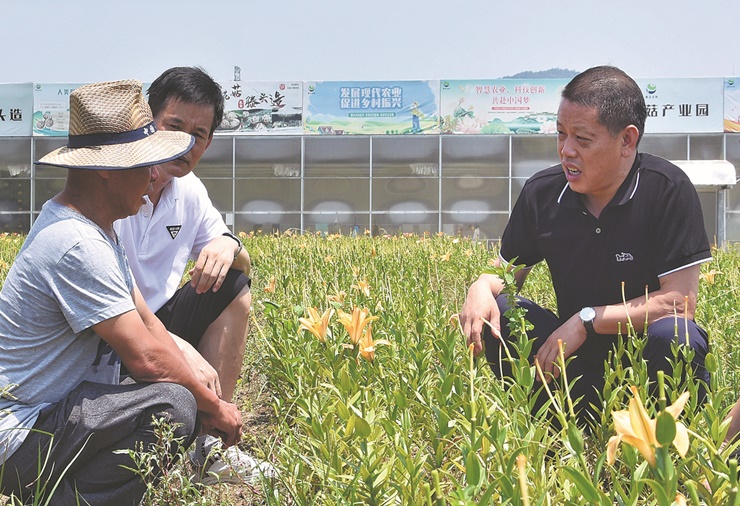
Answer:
(652, 227)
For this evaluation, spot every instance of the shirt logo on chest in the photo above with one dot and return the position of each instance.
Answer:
(173, 230)
(624, 257)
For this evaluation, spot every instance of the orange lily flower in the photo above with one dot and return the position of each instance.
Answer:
(315, 324)
(355, 323)
(270, 288)
(363, 286)
(367, 345)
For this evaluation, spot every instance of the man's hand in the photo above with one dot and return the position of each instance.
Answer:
(225, 423)
(204, 371)
(573, 335)
(213, 264)
(480, 304)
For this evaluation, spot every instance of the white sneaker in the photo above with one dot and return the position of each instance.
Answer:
(215, 465)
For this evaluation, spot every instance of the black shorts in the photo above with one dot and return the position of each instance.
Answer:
(188, 314)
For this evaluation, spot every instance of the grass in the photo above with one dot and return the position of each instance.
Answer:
(425, 423)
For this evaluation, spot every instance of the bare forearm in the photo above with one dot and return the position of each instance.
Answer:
(163, 362)
(613, 318)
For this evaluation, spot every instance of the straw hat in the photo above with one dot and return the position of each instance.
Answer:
(111, 127)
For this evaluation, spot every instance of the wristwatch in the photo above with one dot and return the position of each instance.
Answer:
(588, 314)
(238, 241)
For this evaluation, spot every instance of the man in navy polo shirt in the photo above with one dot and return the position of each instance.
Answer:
(605, 215)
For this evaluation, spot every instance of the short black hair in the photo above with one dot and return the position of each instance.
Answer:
(188, 84)
(615, 95)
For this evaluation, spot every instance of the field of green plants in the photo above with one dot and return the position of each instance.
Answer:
(359, 387)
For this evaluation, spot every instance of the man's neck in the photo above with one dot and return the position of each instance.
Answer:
(90, 210)
(157, 189)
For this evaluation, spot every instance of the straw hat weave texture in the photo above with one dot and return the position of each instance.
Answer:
(111, 127)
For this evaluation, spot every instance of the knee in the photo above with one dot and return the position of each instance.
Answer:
(242, 302)
(180, 408)
(666, 331)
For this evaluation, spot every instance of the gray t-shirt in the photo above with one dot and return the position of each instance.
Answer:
(68, 276)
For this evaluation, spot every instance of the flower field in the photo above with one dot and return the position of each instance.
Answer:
(375, 399)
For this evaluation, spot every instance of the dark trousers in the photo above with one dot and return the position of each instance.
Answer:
(589, 360)
(88, 427)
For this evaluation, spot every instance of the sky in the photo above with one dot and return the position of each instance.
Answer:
(79, 41)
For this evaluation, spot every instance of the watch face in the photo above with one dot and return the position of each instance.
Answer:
(588, 314)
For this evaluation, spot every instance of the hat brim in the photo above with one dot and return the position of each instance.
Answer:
(160, 147)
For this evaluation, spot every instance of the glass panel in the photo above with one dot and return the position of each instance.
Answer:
(401, 194)
(491, 225)
(216, 161)
(404, 156)
(43, 146)
(532, 153)
(220, 192)
(15, 205)
(340, 223)
(266, 223)
(411, 222)
(337, 156)
(268, 157)
(272, 194)
(337, 184)
(708, 199)
(733, 226)
(489, 194)
(476, 156)
(47, 188)
(705, 146)
(14, 223)
(15, 155)
(335, 198)
(668, 146)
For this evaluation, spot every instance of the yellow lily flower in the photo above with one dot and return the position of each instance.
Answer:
(355, 323)
(316, 324)
(709, 276)
(367, 345)
(636, 428)
(445, 257)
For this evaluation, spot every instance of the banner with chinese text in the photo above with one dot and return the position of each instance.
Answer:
(16, 109)
(371, 107)
(683, 105)
(500, 106)
(51, 108)
(262, 108)
(732, 104)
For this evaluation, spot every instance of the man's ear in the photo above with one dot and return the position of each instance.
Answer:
(630, 136)
(105, 174)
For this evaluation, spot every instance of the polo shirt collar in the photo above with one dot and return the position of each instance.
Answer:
(572, 200)
(170, 193)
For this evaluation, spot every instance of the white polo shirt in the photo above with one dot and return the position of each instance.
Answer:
(159, 242)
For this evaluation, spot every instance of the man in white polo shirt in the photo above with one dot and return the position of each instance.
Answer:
(208, 316)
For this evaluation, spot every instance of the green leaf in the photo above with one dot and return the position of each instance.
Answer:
(665, 430)
(472, 469)
(584, 485)
(575, 438)
(362, 428)
(660, 494)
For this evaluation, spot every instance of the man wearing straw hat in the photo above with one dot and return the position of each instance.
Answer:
(70, 314)
(207, 316)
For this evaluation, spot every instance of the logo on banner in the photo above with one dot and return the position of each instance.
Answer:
(174, 230)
